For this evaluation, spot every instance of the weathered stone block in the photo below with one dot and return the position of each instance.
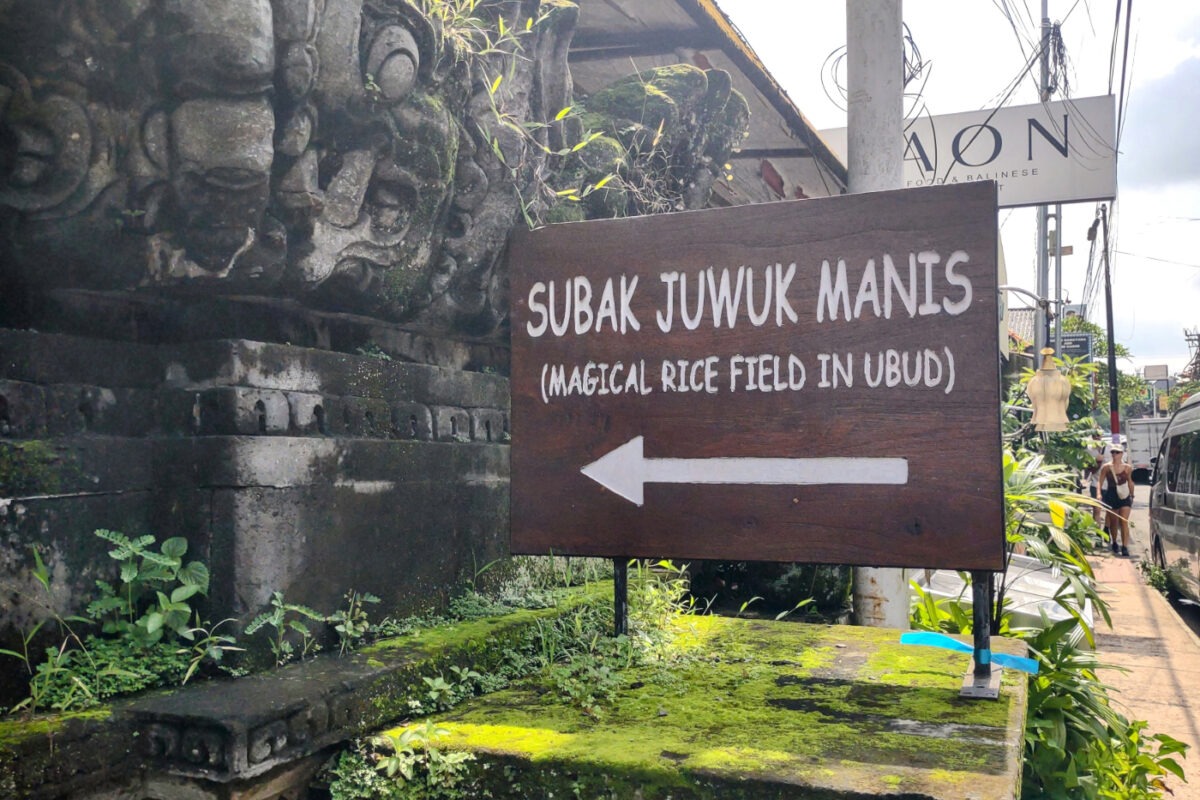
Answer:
(233, 411)
(22, 409)
(412, 421)
(451, 424)
(337, 475)
(48, 358)
(398, 501)
(274, 366)
(75, 409)
(365, 417)
(307, 414)
(488, 425)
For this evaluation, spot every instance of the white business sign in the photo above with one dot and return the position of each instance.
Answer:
(1156, 372)
(1056, 152)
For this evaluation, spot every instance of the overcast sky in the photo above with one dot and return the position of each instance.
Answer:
(973, 54)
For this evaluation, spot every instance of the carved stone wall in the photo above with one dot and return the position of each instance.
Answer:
(334, 151)
(220, 221)
(289, 469)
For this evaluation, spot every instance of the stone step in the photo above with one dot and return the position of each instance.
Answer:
(231, 738)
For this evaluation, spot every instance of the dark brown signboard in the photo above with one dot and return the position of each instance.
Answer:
(812, 381)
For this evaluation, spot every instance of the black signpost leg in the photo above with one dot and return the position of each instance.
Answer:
(620, 596)
(983, 680)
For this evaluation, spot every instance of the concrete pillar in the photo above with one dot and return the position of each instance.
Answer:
(875, 160)
(875, 77)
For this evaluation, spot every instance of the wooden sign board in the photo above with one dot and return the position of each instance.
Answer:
(813, 381)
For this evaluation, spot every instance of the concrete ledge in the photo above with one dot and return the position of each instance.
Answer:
(758, 710)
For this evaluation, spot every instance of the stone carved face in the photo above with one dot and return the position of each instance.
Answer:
(45, 145)
(221, 158)
(217, 66)
(325, 149)
(385, 169)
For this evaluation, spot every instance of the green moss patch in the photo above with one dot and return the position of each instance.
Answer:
(29, 468)
(753, 709)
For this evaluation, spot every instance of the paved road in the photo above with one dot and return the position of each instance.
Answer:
(1158, 647)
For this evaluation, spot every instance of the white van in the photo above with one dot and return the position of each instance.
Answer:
(1175, 500)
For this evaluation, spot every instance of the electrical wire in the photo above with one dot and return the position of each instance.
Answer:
(1112, 52)
(914, 67)
(979, 129)
(1022, 37)
(1160, 260)
(1124, 69)
(1123, 114)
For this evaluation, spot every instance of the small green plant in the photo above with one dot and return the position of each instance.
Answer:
(55, 684)
(34, 701)
(207, 645)
(589, 682)
(805, 603)
(142, 620)
(440, 693)
(373, 350)
(351, 623)
(153, 592)
(400, 766)
(746, 605)
(74, 677)
(288, 622)
(353, 777)
(1141, 762)
(1154, 576)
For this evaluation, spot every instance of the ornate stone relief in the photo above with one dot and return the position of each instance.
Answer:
(356, 155)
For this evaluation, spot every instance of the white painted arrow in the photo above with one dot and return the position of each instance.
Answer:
(626, 471)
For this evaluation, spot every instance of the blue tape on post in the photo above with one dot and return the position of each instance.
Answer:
(983, 656)
(940, 640)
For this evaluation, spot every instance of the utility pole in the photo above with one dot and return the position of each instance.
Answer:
(875, 160)
(1114, 410)
(1058, 298)
(1041, 327)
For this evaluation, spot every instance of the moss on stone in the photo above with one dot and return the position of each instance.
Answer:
(482, 645)
(652, 97)
(759, 704)
(565, 212)
(480, 633)
(29, 468)
(14, 730)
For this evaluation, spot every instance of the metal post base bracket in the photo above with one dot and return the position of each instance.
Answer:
(981, 687)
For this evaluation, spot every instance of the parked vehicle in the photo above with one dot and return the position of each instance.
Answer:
(1145, 435)
(1175, 501)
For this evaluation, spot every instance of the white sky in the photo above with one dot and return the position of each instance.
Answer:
(973, 55)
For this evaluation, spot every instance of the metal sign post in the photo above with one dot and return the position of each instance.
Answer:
(620, 596)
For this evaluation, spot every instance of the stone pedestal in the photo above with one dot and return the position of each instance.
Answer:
(287, 469)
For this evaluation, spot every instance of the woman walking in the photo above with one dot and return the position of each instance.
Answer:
(1116, 490)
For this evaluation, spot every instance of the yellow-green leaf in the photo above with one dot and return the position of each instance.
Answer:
(1060, 537)
(600, 183)
(496, 83)
(562, 113)
(1058, 513)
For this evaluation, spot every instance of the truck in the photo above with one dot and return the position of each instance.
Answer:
(1143, 439)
